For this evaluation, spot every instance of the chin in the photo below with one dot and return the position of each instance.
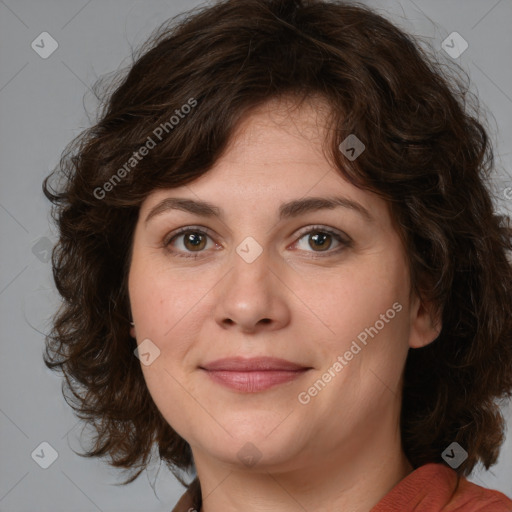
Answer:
(253, 444)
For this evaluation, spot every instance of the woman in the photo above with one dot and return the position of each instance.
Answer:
(280, 263)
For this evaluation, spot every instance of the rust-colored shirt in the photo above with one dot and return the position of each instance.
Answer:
(429, 488)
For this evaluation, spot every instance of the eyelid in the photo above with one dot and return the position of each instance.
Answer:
(186, 229)
(166, 243)
(323, 229)
(344, 240)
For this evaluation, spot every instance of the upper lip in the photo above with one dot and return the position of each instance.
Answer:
(242, 364)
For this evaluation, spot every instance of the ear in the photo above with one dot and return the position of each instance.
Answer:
(425, 327)
(132, 332)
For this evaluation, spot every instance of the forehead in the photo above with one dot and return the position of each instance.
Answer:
(275, 155)
(284, 126)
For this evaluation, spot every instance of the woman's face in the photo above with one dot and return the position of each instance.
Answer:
(273, 275)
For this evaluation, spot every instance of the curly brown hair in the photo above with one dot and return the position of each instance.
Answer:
(427, 153)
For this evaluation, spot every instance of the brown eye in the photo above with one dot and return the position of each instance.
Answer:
(186, 242)
(321, 241)
(194, 240)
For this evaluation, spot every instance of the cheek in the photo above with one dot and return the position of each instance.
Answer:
(366, 310)
(172, 396)
(164, 300)
(349, 300)
(163, 311)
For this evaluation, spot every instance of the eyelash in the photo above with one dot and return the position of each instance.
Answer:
(345, 243)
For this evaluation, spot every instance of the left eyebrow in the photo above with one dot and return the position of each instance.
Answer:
(309, 204)
(286, 210)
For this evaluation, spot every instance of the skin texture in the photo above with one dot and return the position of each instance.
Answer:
(341, 450)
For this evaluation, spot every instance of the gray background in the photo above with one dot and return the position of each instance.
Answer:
(41, 109)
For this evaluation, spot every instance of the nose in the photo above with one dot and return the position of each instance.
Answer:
(253, 297)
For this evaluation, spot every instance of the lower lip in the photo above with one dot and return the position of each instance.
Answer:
(254, 381)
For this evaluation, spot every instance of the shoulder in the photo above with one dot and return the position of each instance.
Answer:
(438, 488)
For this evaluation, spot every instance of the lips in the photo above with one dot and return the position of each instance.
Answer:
(240, 364)
(254, 374)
